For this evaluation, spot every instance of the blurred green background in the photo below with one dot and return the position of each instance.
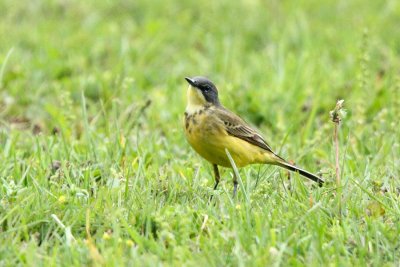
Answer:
(91, 101)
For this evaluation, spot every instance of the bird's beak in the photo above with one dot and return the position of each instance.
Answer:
(190, 81)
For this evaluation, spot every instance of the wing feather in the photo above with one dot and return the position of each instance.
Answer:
(237, 127)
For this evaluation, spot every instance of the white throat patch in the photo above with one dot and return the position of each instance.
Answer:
(195, 100)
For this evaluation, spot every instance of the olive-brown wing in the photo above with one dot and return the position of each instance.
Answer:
(237, 127)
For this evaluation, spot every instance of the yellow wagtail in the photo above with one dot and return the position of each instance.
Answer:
(211, 129)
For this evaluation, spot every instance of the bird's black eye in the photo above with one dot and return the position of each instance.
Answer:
(206, 88)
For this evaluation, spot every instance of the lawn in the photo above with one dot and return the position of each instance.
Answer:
(94, 166)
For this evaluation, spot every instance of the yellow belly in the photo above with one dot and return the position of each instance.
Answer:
(209, 138)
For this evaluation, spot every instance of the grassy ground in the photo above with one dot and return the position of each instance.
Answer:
(94, 165)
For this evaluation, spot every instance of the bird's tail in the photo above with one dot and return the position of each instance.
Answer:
(305, 173)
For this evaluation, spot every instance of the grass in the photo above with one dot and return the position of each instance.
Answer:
(95, 169)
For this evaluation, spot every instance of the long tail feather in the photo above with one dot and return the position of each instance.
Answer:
(305, 173)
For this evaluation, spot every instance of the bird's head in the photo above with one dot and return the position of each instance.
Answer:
(201, 91)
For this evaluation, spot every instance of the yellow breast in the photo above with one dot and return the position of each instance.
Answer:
(208, 137)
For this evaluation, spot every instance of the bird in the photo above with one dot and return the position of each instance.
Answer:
(211, 130)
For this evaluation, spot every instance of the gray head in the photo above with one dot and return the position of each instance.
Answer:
(206, 87)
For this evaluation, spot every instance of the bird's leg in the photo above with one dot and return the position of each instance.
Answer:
(216, 176)
(235, 184)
